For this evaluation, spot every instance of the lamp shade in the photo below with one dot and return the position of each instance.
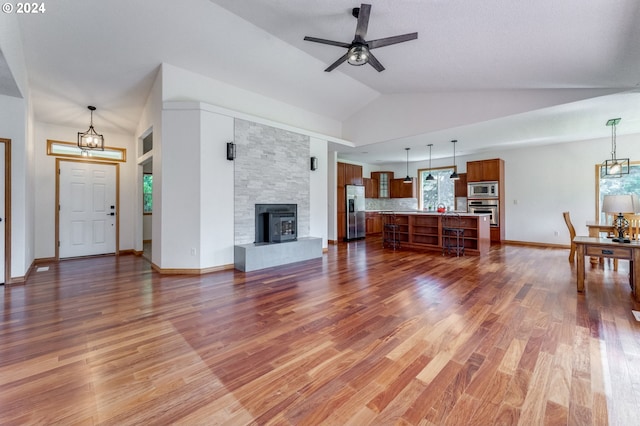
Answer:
(627, 203)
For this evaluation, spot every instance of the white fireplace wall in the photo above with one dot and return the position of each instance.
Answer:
(271, 167)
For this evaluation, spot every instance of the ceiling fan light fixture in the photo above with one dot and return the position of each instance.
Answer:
(358, 55)
(359, 50)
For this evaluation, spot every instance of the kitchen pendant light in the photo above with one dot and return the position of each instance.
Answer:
(408, 178)
(430, 176)
(454, 175)
(90, 140)
(615, 167)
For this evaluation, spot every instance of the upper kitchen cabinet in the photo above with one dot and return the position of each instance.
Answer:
(400, 189)
(349, 174)
(485, 170)
(384, 183)
(371, 187)
(353, 174)
(460, 185)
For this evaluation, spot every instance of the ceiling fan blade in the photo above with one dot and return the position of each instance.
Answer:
(338, 62)
(381, 42)
(373, 61)
(363, 22)
(331, 42)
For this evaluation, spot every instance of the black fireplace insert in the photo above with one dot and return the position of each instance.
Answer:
(276, 223)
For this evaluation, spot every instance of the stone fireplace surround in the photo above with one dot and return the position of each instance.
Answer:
(271, 167)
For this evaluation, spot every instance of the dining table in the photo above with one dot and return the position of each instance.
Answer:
(595, 229)
(605, 247)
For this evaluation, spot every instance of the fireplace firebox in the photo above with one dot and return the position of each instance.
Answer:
(276, 223)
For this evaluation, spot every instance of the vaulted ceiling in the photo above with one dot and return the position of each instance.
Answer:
(83, 52)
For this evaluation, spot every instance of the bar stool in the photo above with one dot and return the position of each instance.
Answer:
(452, 234)
(390, 228)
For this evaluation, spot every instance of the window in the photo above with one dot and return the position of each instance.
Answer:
(68, 149)
(437, 191)
(147, 193)
(627, 184)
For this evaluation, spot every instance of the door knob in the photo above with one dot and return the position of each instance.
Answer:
(111, 214)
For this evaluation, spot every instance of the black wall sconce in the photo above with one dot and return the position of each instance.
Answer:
(231, 151)
(314, 163)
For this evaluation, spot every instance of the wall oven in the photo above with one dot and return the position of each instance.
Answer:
(482, 190)
(486, 206)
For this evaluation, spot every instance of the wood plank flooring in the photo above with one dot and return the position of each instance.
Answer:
(361, 336)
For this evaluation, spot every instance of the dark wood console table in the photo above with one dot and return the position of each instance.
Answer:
(604, 247)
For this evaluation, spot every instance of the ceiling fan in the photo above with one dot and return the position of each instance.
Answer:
(359, 50)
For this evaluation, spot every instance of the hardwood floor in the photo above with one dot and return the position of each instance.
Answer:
(362, 336)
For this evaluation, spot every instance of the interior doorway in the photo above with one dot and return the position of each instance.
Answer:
(5, 209)
(147, 208)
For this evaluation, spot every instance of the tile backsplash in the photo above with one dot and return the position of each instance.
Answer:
(396, 204)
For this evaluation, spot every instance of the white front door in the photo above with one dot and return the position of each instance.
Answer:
(87, 209)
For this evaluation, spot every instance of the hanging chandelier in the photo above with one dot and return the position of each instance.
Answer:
(615, 167)
(90, 140)
(430, 176)
(454, 175)
(408, 178)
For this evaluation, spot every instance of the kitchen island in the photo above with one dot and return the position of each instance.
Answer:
(423, 230)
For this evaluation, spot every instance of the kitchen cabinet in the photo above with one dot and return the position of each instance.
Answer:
(384, 182)
(485, 170)
(490, 171)
(353, 174)
(460, 186)
(373, 223)
(400, 189)
(370, 187)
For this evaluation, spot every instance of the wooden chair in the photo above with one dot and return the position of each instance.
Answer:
(634, 226)
(572, 235)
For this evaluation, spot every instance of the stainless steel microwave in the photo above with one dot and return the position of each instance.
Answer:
(482, 190)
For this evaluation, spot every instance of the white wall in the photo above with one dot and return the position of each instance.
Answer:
(13, 125)
(147, 222)
(183, 85)
(332, 191)
(181, 189)
(16, 117)
(45, 188)
(318, 191)
(216, 208)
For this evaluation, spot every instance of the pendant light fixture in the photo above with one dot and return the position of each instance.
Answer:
(408, 178)
(615, 167)
(430, 176)
(90, 140)
(454, 175)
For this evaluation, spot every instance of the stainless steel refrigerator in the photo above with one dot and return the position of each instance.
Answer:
(355, 212)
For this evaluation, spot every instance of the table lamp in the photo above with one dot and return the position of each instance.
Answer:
(621, 204)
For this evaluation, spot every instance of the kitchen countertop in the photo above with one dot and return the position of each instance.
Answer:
(422, 212)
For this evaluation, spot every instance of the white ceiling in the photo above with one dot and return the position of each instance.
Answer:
(83, 52)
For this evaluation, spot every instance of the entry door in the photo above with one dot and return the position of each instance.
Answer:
(87, 209)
